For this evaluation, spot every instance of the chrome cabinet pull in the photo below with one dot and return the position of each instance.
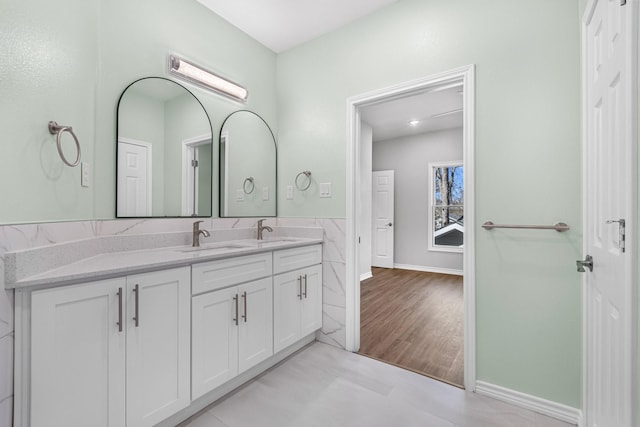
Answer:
(244, 316)
(119, 323)
(235, 299)
(136, 317)
(300, 287)
(305, 286)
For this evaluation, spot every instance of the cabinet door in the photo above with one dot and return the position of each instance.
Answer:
(158, 345)
(255, 341)
(287, 294)
(214, 342)
(311, 319)
(77, 356)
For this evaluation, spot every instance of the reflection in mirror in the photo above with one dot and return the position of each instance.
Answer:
(247, 166)
(164, 146)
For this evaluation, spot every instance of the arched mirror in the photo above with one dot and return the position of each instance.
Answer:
(247, 166)
(164, 152)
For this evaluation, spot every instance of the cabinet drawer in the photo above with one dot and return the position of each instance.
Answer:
(292, 259)
(209, 276)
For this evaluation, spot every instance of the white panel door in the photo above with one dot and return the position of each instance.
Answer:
(609, 198)
(383, 217)
(77, 356)
(255, 340)
(311, 317)
(287, 294)
(134, 181)
(214, 342)
(158, 345)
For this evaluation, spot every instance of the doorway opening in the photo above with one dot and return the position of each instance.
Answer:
(429, 218)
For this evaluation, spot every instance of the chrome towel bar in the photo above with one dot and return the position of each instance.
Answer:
(560, 227)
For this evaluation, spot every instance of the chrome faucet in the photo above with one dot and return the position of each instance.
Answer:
(262, 228)
(197, 232)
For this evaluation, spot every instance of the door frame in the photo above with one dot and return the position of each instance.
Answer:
(633, 219)
(466, 76)
(189, 145)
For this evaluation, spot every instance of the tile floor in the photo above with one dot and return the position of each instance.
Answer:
(322, 386)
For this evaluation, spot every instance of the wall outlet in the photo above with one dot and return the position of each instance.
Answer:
(289, 192)
(265, 193)
(85, 177)
(325, 189)
(239, 195)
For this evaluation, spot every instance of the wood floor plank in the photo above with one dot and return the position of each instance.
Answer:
(415, 320)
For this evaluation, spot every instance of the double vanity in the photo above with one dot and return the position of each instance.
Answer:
(151, 336)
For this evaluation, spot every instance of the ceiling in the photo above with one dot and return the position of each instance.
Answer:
(390, 119)
(283, 24)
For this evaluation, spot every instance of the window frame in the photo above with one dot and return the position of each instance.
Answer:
(430, 212)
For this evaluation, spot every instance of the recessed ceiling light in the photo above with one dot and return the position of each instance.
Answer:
(414, 122)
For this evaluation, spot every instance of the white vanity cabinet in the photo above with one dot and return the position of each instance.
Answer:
(297, 294)
(111, 353)
(232, 327)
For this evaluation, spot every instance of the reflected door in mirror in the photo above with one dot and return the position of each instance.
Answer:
(134, 178)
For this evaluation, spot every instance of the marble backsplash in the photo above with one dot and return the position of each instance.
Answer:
(29, 236)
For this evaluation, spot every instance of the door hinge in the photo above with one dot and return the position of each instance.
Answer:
(623, 2)
(194, 163)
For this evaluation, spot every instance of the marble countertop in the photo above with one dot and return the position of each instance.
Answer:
(114, 264)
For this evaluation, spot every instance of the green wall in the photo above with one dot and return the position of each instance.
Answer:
(70, 61)
(527, 158)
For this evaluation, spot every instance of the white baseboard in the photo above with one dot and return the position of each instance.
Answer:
(429, 269)
(533, 403)
(365, 276)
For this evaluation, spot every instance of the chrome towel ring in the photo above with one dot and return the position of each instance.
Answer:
(56, 129)
(244, 185)
(306, 173)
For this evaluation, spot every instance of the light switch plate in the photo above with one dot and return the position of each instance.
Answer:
(289, 192)
(85, 179)
(325, 189)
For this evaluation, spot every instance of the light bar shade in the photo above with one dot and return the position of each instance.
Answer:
(201, 77)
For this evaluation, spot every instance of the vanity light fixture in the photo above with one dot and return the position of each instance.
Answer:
(414, 122)
(201, 77)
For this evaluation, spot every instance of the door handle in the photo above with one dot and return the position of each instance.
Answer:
(244, 298)
(136, 317)
(119, 323)
(587, 262)
(390, 224)
(235, 300)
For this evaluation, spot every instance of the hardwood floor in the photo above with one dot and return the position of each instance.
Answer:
(414, 320)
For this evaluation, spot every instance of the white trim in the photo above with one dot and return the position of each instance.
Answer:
(365, 276)
(149, 148)
(537, 404)
(188, 146)
(431, 235)
(224, 144)
(428, 269)
(466, 76)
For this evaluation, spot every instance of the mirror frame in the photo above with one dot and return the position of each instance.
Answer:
(221, 159)
(116, 152)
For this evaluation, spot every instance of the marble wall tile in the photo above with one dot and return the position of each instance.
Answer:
(24, 236)
(334, 239)
(333, 330)
(333, 284)
(296, 222)
(6, 366)
(6, 311)
(6, 412)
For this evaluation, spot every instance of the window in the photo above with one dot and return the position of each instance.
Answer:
(447, 207)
